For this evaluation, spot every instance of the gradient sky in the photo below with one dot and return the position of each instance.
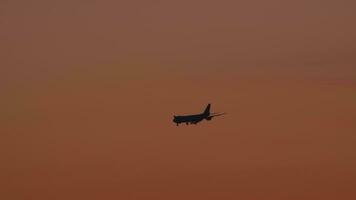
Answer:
(89, 88)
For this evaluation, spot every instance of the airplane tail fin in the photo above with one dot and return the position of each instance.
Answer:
(207, 109)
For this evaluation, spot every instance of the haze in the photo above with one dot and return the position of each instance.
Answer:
(89, 89)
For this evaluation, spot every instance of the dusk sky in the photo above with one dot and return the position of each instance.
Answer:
(89, 90)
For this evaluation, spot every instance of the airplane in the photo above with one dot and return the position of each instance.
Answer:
(194, 119)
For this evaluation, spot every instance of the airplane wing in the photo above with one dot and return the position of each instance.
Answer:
(215, 114)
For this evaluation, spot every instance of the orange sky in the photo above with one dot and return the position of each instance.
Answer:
(89, 91)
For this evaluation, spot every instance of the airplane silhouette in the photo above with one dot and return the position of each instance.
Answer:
(194, 119)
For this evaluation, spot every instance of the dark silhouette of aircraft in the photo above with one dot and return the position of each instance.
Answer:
(194, 119)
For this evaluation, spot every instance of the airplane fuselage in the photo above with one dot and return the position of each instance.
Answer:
(190, 119)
